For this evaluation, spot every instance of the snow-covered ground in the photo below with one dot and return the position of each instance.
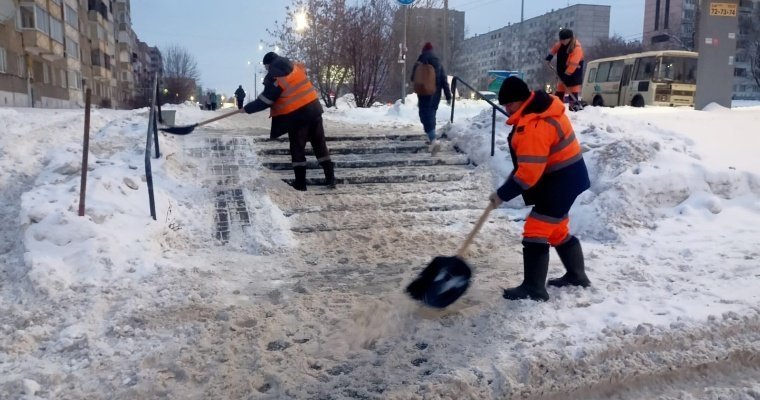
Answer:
(117, 305)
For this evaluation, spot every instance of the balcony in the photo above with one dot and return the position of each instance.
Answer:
(40, 44)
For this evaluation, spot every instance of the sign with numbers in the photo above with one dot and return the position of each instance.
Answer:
(723, 9)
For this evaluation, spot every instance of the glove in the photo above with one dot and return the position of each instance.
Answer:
(495, 200)
(549, 57)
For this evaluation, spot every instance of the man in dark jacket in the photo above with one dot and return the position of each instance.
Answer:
(428, 104)
(549, 173)
(240, 96)
(295, 110)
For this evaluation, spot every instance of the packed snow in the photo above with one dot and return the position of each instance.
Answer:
(117, 305)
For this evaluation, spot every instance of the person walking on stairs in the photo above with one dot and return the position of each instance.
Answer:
(240, 96)
(549, 173)
(429, 79)
(295, 110)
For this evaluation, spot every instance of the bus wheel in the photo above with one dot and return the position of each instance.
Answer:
(598, 101)
(637, 101)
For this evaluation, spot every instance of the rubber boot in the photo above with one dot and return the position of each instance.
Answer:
(329, 168)
(300, 182)
(536, 266)
(571, 255)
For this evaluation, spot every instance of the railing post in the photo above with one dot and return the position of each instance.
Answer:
(85, 150)
(148, 173)
(493, 131)
(453, 97)
(160, 118)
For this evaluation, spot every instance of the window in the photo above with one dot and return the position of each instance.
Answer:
(591, 75)
(26, 17)
(603, 71)
(21, 67)
(616, 71)
(72, 48)
(42, 20)
(71, 17)
(45, 73)
(63, 78)
(3, 66)
(56, 30)
(645, 69)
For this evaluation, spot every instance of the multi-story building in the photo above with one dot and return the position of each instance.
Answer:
(523, 46)
(424, 25)
(51, 50)
(671, 24)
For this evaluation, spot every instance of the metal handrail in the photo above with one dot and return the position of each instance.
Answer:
(495, 108)
(152, 133)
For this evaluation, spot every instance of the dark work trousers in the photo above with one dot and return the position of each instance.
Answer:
(427, 117)
(312, 132)
(240, 102)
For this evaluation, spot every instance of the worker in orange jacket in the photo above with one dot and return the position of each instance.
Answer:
(295, 110)
(569, 67)
(549, 173)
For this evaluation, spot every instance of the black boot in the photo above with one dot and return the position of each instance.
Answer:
(571, 255)
(300, 182)
(329, 168)
(535, 265)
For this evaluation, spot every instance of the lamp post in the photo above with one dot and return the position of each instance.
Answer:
(405, 4)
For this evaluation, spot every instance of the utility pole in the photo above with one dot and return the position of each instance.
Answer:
(403, 59)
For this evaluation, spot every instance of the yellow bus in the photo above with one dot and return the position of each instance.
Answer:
(656, 78)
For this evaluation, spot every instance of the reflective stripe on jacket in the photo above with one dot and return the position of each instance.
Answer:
(297, 91)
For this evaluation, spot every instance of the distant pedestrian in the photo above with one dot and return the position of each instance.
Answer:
(240, 96)
(295, 109)
(549, 173)
(429, 79)
(569, 67)
(212, 99)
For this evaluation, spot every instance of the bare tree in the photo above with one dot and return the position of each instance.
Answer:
(319, 44)
(748, 47)
(610, 47)
(369, 53)
(180, 74)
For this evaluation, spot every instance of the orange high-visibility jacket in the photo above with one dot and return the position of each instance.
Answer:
(545, 152)
(297, 91)
(569, 65)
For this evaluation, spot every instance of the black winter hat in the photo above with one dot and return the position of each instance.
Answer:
(269, 57)
(513, 89)
(565, 34)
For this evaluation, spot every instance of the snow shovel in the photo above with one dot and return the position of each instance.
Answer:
(576, 100)
(446, 279)
(184, 130)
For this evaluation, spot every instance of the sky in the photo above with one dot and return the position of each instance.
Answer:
(224, 36)
(116, 305)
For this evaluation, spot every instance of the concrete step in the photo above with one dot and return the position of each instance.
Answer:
(435, 200)
(351, 138)
(372, 160)
(351, 147)
(443, 173)
(327, 221)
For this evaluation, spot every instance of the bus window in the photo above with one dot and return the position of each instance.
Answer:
(678, 69)
(645, 71)
(616, 71)
(603, 72)
(591, 75)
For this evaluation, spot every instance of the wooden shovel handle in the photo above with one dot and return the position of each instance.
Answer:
(474, 231)
(229, 114)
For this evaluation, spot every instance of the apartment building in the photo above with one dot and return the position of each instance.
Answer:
(671, 24)
(523, 46)
(52, 50)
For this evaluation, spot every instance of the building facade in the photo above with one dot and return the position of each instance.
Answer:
(523, 46)
(52, 50)
(671, 24)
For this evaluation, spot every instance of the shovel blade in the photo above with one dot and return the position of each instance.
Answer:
(179, 130)
(441, 283)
